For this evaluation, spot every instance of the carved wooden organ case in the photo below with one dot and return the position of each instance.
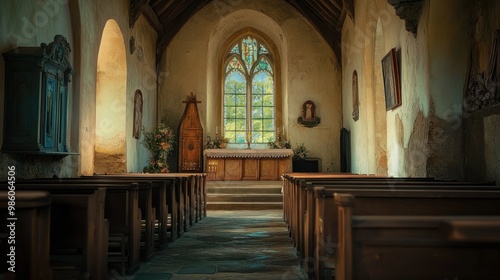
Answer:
(191, 138)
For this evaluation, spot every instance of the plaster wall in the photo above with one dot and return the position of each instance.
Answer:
(28, 23)
(380, 139)
(140, 65)
(310, 70)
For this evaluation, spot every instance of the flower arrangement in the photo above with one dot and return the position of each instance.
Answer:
(284, 144)
(159, 143)
(300, 152)
(216, 143)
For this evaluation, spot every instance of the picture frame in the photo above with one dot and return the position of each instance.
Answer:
(392, 80)
(136, 131)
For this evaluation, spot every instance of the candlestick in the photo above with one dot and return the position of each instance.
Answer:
(249, 137)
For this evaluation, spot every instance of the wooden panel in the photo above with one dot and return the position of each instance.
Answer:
(190, 138)
(268, 169)
(284, 166)
(250, 169)
(246, 168)
(232, 169)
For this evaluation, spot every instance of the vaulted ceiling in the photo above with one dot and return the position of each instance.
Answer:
(327, 16)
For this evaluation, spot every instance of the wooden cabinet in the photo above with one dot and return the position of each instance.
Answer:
(306, 165)
(190, 138)
(36, 98)
(254, 165)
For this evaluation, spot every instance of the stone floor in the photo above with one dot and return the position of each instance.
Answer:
(251, 244)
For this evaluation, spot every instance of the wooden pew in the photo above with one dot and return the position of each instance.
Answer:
(78, 229)
(31, 233)
(415, 247)
(166, 193)
(183, 202)
(120, 207)
(145, 204)
(297, 204)
(408, 202)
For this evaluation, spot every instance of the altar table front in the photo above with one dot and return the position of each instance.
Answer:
(247, 164)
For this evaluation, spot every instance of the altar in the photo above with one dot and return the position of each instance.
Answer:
(247, 164)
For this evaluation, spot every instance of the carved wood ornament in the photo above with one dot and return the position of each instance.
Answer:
(409, 11)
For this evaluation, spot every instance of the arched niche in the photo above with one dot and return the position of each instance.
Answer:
(110, 128)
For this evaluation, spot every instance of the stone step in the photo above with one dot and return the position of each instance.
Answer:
(244, 189)
(244, 205)
(244, 197)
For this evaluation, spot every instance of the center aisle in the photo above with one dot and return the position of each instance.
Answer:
(228, 245)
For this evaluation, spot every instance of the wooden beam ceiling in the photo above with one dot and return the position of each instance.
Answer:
(168, 17)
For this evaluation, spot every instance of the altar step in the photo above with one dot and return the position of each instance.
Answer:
(244, 195)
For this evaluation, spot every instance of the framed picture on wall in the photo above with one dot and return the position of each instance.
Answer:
(392, 80)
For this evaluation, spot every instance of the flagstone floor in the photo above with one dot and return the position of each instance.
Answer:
(227, 245)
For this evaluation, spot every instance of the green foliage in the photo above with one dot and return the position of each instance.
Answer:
(159, 142)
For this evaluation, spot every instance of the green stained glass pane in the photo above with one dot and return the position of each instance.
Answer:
(230, 135)
(268, 112)
(268, 124)
(257, 137)
(249, 51)
(257, 113)
(257, 101)
(258, 87)
(256, 124)
(229, 100)
(268, 100)
(229, 124)
(268, 136)
(240, 124)
(230, 112)
(241, 100)
(241, 112)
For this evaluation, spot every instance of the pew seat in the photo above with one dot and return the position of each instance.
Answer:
(416, 247)
(32, 235)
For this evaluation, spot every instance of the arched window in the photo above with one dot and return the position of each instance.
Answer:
(249, 92)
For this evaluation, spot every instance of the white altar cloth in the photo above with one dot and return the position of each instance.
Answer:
(248, 153)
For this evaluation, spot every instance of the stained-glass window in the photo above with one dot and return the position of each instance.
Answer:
(249, 94)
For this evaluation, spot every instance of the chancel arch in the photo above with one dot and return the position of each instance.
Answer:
(110, 129)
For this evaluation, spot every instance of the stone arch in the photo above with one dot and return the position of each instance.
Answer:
(267, 29)
(111, 85)
(276, 64)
